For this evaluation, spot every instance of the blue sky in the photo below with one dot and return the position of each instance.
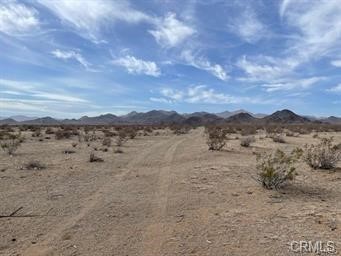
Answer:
(70, 58)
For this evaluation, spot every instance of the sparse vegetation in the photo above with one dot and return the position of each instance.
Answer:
(62, 134)
(34, 165)
(278, 138)
(275, 169)
(11, 143)
(68, 151)
(216, 138)
(246, 141)
(323, 155)
(106, 141)
(94, 158)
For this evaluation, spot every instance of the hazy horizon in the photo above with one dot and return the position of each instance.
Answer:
(67, 59)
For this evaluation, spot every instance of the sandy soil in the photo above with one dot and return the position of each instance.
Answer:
(165, 195)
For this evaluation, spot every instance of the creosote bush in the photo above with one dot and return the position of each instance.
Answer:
(106, 141)
(246, 141)
(34, 165)
(216, 137)
(323, 155)
(11, 143)
(278, 138)
(275, 169)
(94, 158)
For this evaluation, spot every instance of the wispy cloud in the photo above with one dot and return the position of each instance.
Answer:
(202, 94)
(203, 64)
(294, 84)
(336, 63)
(138, 66)
(170, 31)
(319, 27)
(36, 90)
(17, 18)
(65, 55)
(248, 27)
(89, 18)
(335, 89)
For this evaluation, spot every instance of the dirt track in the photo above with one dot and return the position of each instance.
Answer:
(166, 195)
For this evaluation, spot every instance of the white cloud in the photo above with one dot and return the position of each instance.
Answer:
(335, 89)
(170, 31)
(16, 18)
(202, 63)
(274, 74)
(319, 27)
(36, 90)
(293, 84)
(263, 68)
(138, 66)
(65, 55)
(201, 94)
(90, 17)
(160, 100)
(57, 97)
(336, 63)
(248, 27)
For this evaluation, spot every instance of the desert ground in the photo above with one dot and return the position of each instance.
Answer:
(165, 194)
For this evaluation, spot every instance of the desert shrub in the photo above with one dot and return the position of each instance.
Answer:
(106, 141)
(62, 134)
(49, 130)
(323, 155)
(37, 133)
(275, 169)
(94, 158)
(122, 138)
(337, 147)
(11, 143)
(68, 151)
(130, 133)
(246, 141)
(180, 129)
(278, 138)
(315, 135)
(290, 133)
(216, 138)
(34, 165)
(118, 151)
(248, 130)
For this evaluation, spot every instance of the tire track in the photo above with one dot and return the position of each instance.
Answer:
(156, 234)
(44, 248)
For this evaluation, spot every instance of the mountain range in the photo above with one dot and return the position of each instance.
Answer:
(171, 117)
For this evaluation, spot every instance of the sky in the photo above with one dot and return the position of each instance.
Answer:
(70, 58)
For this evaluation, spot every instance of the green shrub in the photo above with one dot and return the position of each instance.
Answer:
(275, 169)
(246, 141)
(216, 138)
(11, 143)
(323, 155)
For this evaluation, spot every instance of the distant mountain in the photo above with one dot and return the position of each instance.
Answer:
(241, 118)
(19, 118)
(171, 117)
(202, 118)
(285, 116)
(153, 117)
(44, 120)
(332, 120)
(102, 119)
(8, 121)
(227, 114)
